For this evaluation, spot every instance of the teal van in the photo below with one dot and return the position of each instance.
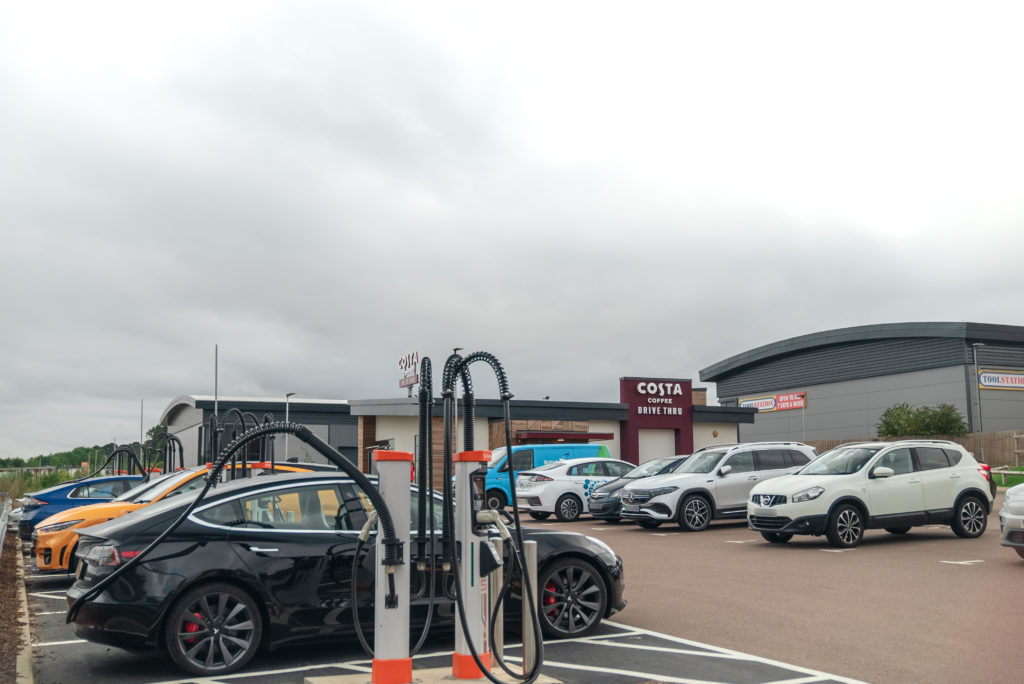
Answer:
(528, 457)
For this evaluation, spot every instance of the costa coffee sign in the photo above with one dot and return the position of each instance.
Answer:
(657, 402)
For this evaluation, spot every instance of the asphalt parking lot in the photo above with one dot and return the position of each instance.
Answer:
(717, 606)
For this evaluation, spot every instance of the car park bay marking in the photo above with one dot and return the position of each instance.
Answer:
(970, 562)
(739, 541)
(813, 675)
(836, 550)
(53, 595)
(59, 643)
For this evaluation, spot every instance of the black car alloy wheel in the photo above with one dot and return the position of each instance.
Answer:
(572, 598)
(213, 629)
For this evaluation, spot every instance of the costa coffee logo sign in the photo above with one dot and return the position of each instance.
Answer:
(659, 389)
(657, 398)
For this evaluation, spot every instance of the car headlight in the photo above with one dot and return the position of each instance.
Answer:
(597, 495)
(57, 527)
(660, 491)
(808, 494)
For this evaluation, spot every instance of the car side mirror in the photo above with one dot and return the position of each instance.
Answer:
(883, 471)
(724, 470)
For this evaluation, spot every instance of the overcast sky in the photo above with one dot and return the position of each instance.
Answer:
(587, 190)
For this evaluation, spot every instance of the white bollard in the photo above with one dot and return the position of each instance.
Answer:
(474, 588)
(391, 661)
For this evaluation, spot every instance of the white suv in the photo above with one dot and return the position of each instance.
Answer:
(712, 483)
(890, 485)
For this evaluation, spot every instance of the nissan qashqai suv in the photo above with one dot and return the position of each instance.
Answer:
(885, 485)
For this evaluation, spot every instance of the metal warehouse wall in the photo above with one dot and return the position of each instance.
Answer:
(845, 362)
(851, 409)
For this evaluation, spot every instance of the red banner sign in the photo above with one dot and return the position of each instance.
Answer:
(777, 402)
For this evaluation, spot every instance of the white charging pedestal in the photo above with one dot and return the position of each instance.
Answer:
(391, 661)
(474, 587)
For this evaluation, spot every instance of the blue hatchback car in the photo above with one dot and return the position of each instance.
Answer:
(38, 506)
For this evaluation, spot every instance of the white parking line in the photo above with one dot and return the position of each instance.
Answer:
(970, 562)
(59, 643)
(818, 676)
(836, 550)
(61, 596)
(630, 673)
(54, 612)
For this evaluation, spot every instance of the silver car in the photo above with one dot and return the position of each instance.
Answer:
(1011, 519)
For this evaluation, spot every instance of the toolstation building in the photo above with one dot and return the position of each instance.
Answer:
(654, 417)
(834, 385)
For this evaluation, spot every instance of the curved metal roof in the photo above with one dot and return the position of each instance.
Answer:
(981, 332)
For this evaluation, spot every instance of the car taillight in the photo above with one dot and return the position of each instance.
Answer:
(540, 478)
(108, 555)
(986, 471)
(32, 501)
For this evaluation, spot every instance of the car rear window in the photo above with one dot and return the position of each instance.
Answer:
(772, 459)
(932, 458)
(954, 455)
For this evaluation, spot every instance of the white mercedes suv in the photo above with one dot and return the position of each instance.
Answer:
(712, 483)
(890, 485)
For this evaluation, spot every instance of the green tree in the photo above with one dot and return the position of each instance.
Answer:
(896, 421)
(901, 420)
(943, 419)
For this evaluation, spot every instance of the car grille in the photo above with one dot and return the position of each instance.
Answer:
(636, 496)
(768, 500)
(767, 523)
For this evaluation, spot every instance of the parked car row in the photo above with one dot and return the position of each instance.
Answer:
(784, 489)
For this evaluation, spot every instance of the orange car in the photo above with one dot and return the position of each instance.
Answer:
(56, 538)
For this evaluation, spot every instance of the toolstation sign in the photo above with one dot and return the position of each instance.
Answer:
(776, 402)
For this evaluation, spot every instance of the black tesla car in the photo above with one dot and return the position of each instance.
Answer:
(267, 562)
(604, 500)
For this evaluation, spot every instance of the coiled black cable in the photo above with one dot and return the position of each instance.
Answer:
(457, 366)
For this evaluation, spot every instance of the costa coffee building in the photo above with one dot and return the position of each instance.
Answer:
(654, 417)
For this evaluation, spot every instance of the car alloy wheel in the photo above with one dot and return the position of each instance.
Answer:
(845, 527)
(213, 629)
(969, 518)
(568, 508)
(572, 598)
(496, 499)
(695, 515)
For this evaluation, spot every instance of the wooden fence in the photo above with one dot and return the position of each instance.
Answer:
(1000, 448)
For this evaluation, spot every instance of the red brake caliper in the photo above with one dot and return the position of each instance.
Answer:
(192, 627)
(549, 596)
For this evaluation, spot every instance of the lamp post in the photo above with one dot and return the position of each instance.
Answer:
(287, 396)
(977, 383)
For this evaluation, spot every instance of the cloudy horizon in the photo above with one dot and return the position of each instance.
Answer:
(587, 191)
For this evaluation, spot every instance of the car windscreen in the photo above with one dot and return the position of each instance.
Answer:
(839, 461)
(649, 468)
(172, 482)
(144, 487)
(704, 462)
(496, 457)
